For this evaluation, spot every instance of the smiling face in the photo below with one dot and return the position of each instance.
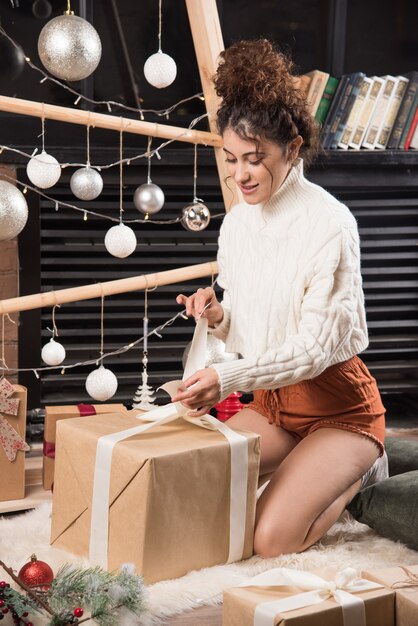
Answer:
(258, 167)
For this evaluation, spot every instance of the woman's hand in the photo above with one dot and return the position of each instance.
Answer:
(202, 392)
(203, 303)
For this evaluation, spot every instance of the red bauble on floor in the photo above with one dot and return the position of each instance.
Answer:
(36, 574)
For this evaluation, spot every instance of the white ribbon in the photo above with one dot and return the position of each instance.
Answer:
(99, 531)
(316, 590)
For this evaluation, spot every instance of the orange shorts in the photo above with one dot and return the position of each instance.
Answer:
(344, 396)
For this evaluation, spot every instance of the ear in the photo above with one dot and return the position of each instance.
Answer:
(294, 147)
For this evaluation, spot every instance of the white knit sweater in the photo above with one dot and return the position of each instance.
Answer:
(293, 300)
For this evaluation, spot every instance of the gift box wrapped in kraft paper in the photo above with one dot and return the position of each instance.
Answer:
(55, 413)
(287, 597)
(174, 494)
(404, 582)
(12, 440)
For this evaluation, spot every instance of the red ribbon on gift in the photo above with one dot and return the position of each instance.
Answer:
(10, 439)
(84, 410)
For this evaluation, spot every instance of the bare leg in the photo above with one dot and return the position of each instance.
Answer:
(276, 443)
(310, 489)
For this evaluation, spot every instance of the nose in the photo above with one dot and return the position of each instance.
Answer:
(241, 174)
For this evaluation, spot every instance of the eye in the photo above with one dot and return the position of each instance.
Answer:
(230, 160)
(255, 162)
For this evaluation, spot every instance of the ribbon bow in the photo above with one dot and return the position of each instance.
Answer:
(316, 589)
(9, 437)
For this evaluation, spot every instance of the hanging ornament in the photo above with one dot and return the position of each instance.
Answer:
(13, 211)
(120, 241)
(69, 47)
(215, 352)
(144, 395)
(86, 183)
(195, 216)
(160, 69)
(101, 384)
(43, 170)
(36, 574)
(53, 352)
(149, 198)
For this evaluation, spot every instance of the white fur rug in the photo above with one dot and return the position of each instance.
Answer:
(348, 543)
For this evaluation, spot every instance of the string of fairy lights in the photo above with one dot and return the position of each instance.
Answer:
(44, 171)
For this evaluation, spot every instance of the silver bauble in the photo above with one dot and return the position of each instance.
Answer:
(43, 170)
(69, 47)
(149, 198)
(101, 384)
(86, 183)
(215, 352)
(160, 70)
(13, 211)
(195, 216)
(120, 241)
(53, 353)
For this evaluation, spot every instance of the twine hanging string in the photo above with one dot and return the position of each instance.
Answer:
(160, 21)
(3, 355)
(88, 139)
(42, 135)
(120, 172)
(149, 155)
(54, 326)
(102, 326)
(195, 198)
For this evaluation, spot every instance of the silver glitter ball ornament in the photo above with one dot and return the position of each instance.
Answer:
(43, 170)
(215, 352)
(160, 70)
(13, 211)
(195, 216)
(86, 183)
(149, 198)
(101, 384)
(120, 241)
(53, 352)
(69, 47)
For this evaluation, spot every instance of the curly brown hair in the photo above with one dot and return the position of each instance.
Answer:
(260, 98)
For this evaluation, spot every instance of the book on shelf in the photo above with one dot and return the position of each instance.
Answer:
(317, 86)
(379, 114)
(412, 138)
(327, 96)
(343, 110)
(408, 124)
(356, 81)
(366, 113)
(342, 84)
(404, 110)
(391, 112)
(355, 113)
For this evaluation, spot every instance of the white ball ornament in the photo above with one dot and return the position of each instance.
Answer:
(149, 198)
(160, 70)
(13, 211)
(195, 216)
(120, 241)
(69, 47)
(43, 170)
(53, 353)
(101, 384)
(86, 183)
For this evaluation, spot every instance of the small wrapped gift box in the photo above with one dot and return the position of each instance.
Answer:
(55, 413)
(404, 581)
(168, 497)
(12, 444)
(285, 597)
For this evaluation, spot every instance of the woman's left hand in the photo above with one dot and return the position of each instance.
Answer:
(202, 392)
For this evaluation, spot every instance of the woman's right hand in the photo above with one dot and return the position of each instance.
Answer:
(203, 303)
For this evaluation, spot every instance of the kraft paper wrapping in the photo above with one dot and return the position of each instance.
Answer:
(60, 412)
(404, 581)
(12, 481)
(169, 494)
(240, 604)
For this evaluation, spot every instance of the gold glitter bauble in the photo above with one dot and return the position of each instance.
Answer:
(69, 47)
(13, 211)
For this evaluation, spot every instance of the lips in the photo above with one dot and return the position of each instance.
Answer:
(248, 188)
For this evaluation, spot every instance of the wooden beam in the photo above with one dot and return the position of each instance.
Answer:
(110, 122)
(208, 44)
(109, 288)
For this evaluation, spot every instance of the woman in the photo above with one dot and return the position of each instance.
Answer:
(293, 306)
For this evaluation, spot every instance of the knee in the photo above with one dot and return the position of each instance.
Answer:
(271, 541)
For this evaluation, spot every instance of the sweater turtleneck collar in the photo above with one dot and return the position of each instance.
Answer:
(288, 193)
